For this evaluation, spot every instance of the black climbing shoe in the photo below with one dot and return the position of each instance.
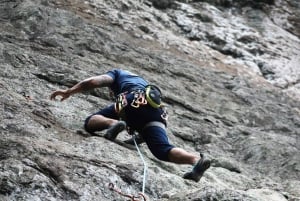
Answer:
(202, 165)
(114, 130)
(138, 139)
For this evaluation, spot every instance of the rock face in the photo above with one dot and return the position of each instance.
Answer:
(229, 72)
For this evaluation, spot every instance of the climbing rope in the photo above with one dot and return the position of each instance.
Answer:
(144, 163)
(141, 196)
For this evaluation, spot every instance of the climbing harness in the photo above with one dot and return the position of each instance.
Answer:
(164, 115)
(121, 102)
(139, 99)
(150, 95)
(140, 196)
(155, 123)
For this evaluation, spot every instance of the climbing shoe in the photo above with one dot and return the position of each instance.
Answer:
(202, 165)
(113, 131)
(138, 139)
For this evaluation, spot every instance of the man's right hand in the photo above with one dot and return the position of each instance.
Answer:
(63, 93)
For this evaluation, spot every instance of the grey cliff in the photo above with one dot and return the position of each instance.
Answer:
(230, 76)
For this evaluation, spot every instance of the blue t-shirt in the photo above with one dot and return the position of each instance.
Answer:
(125, 81)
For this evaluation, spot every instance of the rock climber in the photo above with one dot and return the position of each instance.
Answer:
(138, 109)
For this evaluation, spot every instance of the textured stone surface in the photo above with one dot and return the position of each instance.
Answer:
(229, 72)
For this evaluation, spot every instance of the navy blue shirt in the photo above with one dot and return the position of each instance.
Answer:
(125, 81)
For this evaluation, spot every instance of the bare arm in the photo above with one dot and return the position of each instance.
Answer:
(85, 85)
(91, 83)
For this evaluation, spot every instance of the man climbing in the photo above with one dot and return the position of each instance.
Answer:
(137, 108)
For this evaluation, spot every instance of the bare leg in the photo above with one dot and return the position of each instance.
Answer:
(180, 156)
(99, 122)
